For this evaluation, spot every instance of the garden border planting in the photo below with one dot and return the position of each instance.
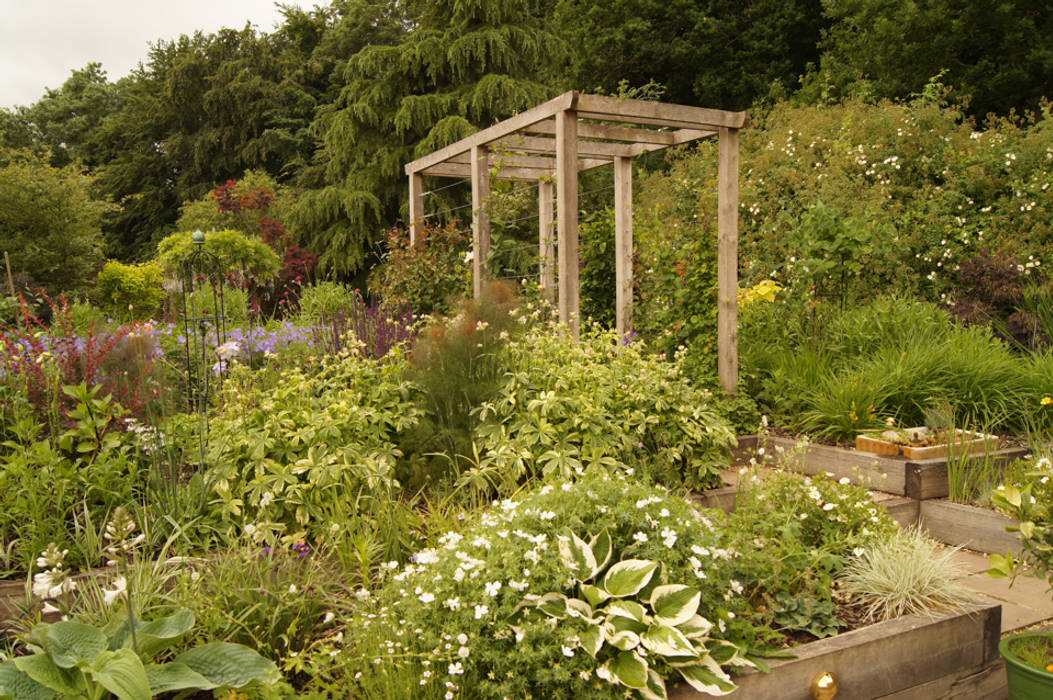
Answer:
(907, 658)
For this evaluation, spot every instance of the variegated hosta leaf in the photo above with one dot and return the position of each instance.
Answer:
(626, 608)
(655, 689)
(624, 640)
(727, 654)
(553, 605)
(595, 596)
(674, 604)
(577, 556)
(620, 624)
(592, 640)
(579, 608)
(628, 577)
(706, 677)
(629, 669)
(667, 641)
(696, 627)
(602, 549)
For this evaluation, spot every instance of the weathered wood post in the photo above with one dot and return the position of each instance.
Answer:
(623, 243)
(727, 259)
(416, 207)
(567, 216)
(546, 238)
(480, 217)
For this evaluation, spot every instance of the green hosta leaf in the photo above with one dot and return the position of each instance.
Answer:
(620, 624)
(122, 673)
(697, 626)
(579, 608)
(626, 608)
(43, 670)
(674, 604)
(602, 549)
(655, 689)
(667, 641)
(706, 677)
(595, 596)
(553, 605)
(70, 643)
(228, 664)
(628, 577)
(175, 676)
(624, 640)
(577, 556)
(592, 640)
(19, 685)
(155, 635)
(629, 669)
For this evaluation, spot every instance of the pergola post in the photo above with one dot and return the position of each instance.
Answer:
(416, 207)
(546, 238)
(727, 259)
(567, 216)
(623, 243)
(480, 161)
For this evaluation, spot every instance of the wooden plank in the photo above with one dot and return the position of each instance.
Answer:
(875, 661)
(567, 217)
(978, 529)
(546, 238)
(904, 511)
(723, 498)
(540, 144)
(606, 131)
(464, 170)
(986, 682)
(480, 218)
(649, 112)
(416, 206)
(503, 128)
(514, 161)
(727, 260)
(623, 244)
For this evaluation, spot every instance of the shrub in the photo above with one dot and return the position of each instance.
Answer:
(427, 277)
(130, 291)
(561, 405)
(463, 613)
(243, 258)
(323, 300)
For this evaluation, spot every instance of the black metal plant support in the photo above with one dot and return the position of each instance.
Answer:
(204, 328)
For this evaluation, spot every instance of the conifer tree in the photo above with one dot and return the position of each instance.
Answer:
(459, 65)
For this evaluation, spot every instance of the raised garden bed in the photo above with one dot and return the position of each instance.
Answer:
(896, 474)
(909, 658)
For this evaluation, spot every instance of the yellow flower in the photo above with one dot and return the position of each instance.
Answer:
(1046, 400)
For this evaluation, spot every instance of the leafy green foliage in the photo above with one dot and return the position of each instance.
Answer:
(245, 257)
(284, 457)
(562, 405)
(74, 659)
(130, 291)
(50, 222)
(1029, 503)
(428, 277)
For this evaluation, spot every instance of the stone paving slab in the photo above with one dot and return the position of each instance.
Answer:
(1027, 602)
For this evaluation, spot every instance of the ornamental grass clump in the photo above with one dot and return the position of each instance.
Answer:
(576, 590)
(906, 574)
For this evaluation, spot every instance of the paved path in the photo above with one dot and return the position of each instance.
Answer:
(1027, 602)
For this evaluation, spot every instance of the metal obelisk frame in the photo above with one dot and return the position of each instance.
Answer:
(204, 328)
(550, 144)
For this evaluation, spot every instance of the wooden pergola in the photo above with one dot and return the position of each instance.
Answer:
(550, 144)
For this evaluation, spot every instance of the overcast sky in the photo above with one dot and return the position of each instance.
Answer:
(41, 41)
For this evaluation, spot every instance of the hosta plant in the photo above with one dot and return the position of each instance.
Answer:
(634, 628)
(76, 660)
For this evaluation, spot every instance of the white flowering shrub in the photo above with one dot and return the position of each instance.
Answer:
(564, 404)
(497, 610)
